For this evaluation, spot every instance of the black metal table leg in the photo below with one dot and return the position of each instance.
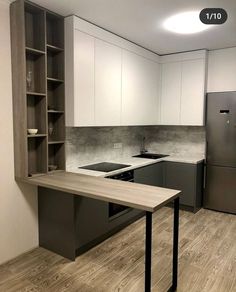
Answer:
(148, 252)
(175, 245)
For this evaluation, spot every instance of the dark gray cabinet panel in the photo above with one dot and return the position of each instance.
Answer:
(189, 179)
(69, 225)
(150, 175)
(186, 177)
(91, 218)
(92, 222)
(56, 222)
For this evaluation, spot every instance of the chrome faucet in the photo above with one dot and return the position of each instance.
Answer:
(143, 149)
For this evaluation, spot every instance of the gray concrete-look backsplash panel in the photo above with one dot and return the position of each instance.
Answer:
(88, 145)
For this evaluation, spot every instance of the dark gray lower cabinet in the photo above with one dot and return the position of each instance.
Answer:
(186, 177)
(71, 224)
(152, 175)
(93, 224)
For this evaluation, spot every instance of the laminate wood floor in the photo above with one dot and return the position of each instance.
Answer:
(207, 259)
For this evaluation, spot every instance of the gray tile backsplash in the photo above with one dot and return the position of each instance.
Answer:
(88, 145)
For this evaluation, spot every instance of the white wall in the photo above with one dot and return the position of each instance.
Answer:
(18, 203)
(222, 70)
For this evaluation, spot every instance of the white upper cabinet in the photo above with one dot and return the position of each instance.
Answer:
(221, 70)
(183, 89)
(80, 81)
(112, 82)
(109, 81)
(193, 92)
(84, 79)
(107, 84)
(171, 93)
(139, 90)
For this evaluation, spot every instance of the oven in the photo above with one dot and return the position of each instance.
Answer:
(116, 210)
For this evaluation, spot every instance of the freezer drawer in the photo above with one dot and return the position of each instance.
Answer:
(220, 191)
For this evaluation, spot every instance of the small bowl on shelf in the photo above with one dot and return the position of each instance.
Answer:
(32, 131)
(51, 108)
(52, 167)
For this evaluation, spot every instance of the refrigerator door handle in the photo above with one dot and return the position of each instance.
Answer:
(206, 150)
(204, 176)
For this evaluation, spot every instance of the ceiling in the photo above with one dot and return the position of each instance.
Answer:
(141, 21)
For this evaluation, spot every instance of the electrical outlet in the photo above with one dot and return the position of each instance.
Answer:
(117, 145)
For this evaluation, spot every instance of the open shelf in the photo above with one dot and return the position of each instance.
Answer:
(35, 71)
(55, 80)
(56, 142)
(37, 151)
(55, 112)
(34, 27)
(56, 156)
(55, 66)
(54, 49)
(56, 130)
(36, 136)
(36, 113)
(55, 171)
(38, 88)
(34, 51)
(35, 93)
(55, 94)
(55, 30)
(36, 174)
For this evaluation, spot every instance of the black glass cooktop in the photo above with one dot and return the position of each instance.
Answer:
(105, 166)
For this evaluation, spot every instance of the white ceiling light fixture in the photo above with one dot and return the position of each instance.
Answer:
(185, 23)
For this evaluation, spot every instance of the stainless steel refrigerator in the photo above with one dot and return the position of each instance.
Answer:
(220, 190)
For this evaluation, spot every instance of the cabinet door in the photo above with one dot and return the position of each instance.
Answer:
(193, 92)
(107, 84)
(151, 175)
(221, 70)
(83, 79)
(171, 93)
(139, 90)
(181, 176)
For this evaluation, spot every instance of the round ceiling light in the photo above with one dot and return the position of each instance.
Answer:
(185, 23)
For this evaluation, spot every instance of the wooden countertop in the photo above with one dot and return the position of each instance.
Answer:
(138, 196)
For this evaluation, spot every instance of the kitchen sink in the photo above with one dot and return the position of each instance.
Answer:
(150, 155)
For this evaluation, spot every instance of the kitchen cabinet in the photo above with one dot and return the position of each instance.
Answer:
(150, 175)
(80, 80)
(183, 89)
(193, 93)
(112, 82)
(221, 70)
(107, 84)
(171, 93)
(140, 78)
(109, 81)
(188, 178)
(98, 225)
(70, 225)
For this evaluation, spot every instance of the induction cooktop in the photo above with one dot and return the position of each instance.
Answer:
(105, 166)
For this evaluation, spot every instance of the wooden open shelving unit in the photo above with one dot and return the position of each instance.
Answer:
(37, 37)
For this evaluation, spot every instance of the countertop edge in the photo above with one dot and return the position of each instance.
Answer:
(35, 181)
(132, 167)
